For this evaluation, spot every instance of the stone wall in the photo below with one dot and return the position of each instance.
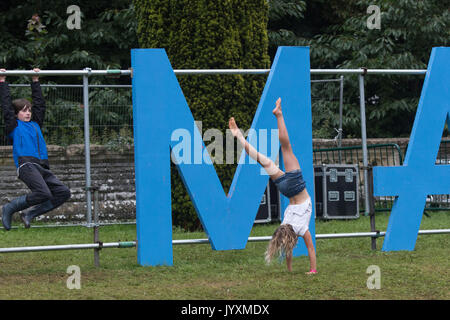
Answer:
(113, 173)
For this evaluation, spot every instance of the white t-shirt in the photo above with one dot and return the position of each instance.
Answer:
(298, 216)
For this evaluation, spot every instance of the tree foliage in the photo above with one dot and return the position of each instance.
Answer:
(335, 32)
(108, 31)
(209, 35)
(339, 38)
(230, 34)
(34, 33)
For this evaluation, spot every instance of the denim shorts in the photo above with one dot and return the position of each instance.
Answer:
(291, 183)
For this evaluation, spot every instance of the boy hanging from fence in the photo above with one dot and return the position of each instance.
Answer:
(23, 122)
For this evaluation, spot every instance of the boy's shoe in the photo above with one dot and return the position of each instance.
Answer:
(37, 210)
(10, 208)
(26, 220)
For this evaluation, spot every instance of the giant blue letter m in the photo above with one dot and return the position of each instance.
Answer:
(160, 108)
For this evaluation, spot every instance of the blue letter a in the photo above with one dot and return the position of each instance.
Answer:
(159, 108)
(419, 176)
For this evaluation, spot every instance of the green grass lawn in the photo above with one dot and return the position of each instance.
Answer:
(201, 273)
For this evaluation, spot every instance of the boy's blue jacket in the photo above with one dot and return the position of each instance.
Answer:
(28, 142)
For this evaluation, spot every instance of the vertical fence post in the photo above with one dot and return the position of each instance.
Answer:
(362, 105)
(341, 109)
(96, 229)
(372, 208)
(87, 147)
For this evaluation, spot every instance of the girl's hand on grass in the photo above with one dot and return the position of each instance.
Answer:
(311, 272)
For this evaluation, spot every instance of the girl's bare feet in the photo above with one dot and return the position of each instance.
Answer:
(277, 111)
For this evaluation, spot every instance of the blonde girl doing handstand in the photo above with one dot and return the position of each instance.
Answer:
(292, 185)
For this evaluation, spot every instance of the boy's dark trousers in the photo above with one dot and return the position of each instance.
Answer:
(47, 192)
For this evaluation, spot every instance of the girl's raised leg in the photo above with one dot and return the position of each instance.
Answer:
(272, 170)
(289, 159)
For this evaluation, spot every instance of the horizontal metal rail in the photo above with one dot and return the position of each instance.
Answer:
(75, 85)
(85, 72)
(207, 71)
(313, 71)
(369, 71)
(117, 85)
(221, 71)
(131, 244)
(127, 244)
(319, 236)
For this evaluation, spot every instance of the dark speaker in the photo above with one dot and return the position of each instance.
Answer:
(336, 191)
(269, 209)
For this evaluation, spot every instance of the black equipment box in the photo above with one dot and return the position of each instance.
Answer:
(269, 209)
(336, 191)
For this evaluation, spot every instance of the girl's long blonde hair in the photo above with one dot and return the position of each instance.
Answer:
(284, 240)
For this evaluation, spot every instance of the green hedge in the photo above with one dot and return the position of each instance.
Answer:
(209, 35)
